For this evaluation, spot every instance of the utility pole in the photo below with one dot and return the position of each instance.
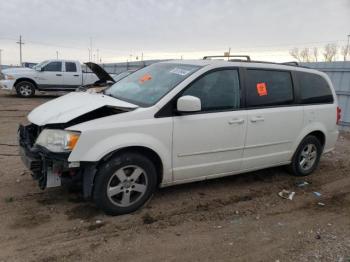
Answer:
(0, 60)
(348, 47)
(56, 54)
(90, 49)
(97, 55)
(20, 42)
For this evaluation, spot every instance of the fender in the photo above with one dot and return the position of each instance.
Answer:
(110, 144)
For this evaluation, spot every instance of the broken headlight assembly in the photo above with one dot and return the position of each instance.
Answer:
(58, 141)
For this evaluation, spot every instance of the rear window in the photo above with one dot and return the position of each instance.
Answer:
(268, 88)
(314, 89)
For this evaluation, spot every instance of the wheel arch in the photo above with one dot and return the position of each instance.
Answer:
(318, 131)
(25, 79)
(146, 151)
(319, 135)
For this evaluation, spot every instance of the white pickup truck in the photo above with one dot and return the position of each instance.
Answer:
(51, 75)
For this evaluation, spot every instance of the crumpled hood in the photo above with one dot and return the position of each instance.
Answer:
(71, 106)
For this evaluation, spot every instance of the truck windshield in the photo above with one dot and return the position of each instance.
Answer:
(148, 85)
(40, 65)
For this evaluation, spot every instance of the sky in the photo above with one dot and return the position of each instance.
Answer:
(124, 30)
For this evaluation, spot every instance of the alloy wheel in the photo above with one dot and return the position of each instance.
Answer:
(127, 185)
(308, 157)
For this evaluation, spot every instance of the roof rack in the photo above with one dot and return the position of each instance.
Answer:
(248, 60)
(291, 63)
(247, 57)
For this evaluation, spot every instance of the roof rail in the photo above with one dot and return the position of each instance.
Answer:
(291, 63)
(227, 56)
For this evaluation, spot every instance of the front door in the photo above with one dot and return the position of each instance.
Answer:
(211, 142)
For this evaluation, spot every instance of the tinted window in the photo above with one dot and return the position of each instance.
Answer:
(314, 89)
(267, 88)
(53, 67)
(71, 67)
(217, 90)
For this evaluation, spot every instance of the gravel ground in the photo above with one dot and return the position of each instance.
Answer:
(238, 218)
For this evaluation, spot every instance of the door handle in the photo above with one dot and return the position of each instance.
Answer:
(58, 74)
(76, 75)
(236, 121)
(257, 119)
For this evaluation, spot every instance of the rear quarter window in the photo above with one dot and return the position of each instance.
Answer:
(268, 88)
(314, 89)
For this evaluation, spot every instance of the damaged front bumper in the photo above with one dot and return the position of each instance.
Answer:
(52, 169)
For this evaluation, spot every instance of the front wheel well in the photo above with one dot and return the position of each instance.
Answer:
(23, 79)
(149, 153)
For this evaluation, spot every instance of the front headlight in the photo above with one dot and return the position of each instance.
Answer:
(57, 140)
(9, 77)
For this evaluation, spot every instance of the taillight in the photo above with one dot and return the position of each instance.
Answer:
(338, 114)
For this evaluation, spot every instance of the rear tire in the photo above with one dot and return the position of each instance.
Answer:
(124, 183)
(307, 156)
(25, 89)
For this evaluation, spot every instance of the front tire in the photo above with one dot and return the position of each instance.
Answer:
(25, 89)
(124, 183)
(306, 157)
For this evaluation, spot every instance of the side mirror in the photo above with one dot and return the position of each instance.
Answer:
(39, 69)
(189, 104)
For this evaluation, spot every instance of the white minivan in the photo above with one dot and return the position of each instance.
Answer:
(181, 121)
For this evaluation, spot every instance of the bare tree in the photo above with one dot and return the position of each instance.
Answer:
(315, 54)
(330, 51)
(295, 53)
(305, 55)
(345, 51)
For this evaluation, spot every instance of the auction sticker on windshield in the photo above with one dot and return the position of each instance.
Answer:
(180, 71)
(145, 78)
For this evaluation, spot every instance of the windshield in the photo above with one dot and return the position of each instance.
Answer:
(121, 75)
(40, 65)
(148, 85)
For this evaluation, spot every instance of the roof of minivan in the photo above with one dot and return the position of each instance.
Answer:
(252, 64)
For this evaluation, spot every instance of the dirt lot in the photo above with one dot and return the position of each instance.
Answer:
(239, 218)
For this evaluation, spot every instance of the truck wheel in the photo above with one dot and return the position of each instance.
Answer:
(307, 157)
(124, 183)
(25, 89)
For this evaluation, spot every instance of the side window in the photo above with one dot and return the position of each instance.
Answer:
(71, 67)
(268, 88)
(217, 90)
(53, 67)
(314, 89)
